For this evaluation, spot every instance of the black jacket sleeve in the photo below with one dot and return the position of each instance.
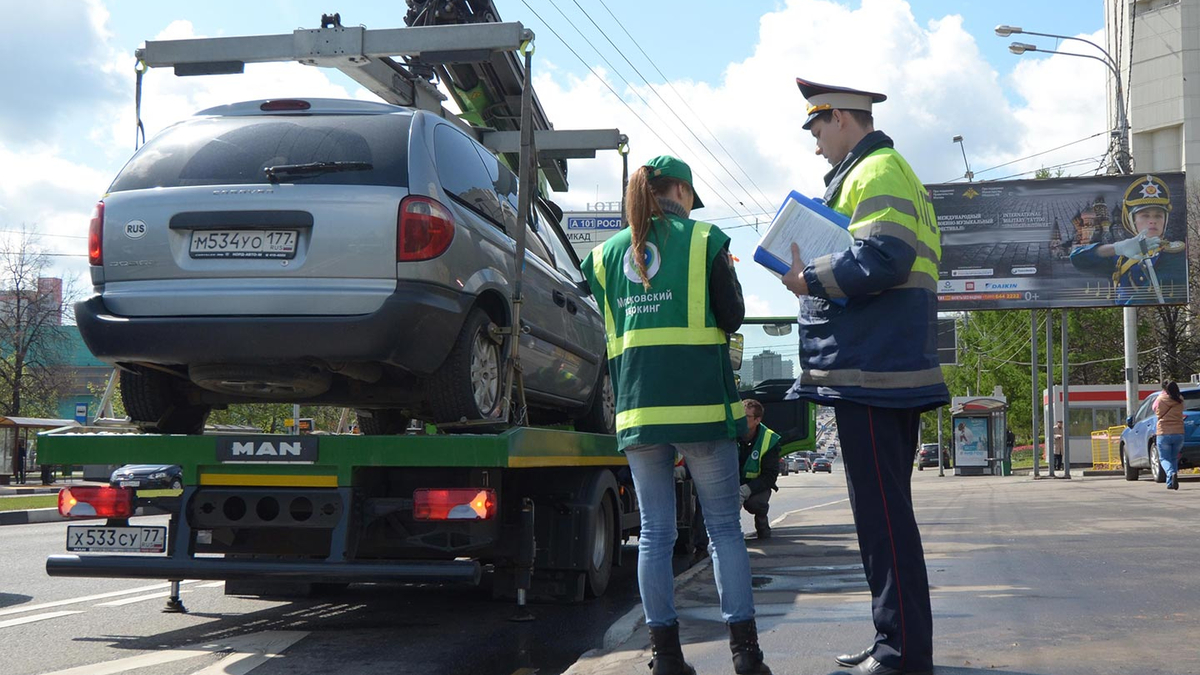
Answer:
(768, 472)
(725, 293)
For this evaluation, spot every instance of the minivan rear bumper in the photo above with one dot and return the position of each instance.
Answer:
(414, 329)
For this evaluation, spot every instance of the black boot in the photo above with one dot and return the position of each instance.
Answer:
(762, 527)
(743, 642)
(668, 655)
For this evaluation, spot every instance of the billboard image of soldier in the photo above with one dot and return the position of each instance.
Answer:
(1145, 267)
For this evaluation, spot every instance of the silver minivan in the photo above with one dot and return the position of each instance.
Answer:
(333, 252)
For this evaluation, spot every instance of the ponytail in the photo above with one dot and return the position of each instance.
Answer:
(641, 206)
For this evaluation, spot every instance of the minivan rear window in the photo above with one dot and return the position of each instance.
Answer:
(236, 150)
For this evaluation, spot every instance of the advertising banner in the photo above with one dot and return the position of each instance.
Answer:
(1100, 241)
(970, 441)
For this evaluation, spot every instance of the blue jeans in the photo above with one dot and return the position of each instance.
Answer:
(1169, 447)
(714, 469)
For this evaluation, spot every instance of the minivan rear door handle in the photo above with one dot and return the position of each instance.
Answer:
(560, 298)
(572, 307)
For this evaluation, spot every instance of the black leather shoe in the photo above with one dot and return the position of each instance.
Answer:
(870, 666)
(851, 660)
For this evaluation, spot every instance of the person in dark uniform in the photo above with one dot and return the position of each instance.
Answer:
(1145, 266)
(872, 355)
(758, 455)
(20, 461)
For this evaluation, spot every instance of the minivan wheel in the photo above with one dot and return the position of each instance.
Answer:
(154, 404)
(601, 415)
(467, 386)
(386, 422)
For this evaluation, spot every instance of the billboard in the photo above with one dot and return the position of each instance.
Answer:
(1099, 241)
(970, 441)
(586, 230)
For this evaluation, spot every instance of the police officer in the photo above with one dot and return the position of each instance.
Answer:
(758, 455)
(1146, 209)
(669, 296)
(874, 359)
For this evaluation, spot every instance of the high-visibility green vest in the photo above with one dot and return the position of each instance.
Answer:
(766, 438)
(668, 360)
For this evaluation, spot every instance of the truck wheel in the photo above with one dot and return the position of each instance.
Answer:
(467, 386)
(1131, 473)
(386, 422)
(153, 403)
(600, 558)
(601, 415)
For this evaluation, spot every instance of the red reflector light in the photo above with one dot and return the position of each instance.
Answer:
(285, 104)
(96, 235)
(424, 229)
(454, 504)
(95, 502)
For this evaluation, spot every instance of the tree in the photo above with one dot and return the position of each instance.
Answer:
(33, 340)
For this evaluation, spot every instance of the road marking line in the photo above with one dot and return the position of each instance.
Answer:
(35, 617)
(269, 643)
(140, 598)
(807, 508)
(273, 644)
(215, 584)
(86, 598)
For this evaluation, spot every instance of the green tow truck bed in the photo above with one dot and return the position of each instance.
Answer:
(532, 506)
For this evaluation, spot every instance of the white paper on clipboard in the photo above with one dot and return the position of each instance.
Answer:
(816, 229)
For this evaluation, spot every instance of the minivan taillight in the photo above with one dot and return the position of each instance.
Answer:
(424, 229)
(96, 236)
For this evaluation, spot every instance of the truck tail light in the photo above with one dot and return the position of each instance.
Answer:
(454, 504)
(95, 502)
(96, 236)
(424, 229)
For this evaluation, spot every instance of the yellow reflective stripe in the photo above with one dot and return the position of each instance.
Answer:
(853, 377)
(658, 337)
(674, 414)
(823, 268)
(610, 327)
(697, 277)
(255, 480)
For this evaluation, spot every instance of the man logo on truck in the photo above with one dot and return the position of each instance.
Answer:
(292, 449)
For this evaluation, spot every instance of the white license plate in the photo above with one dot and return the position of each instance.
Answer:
(87, 538)
(244, 244)
(130, 483)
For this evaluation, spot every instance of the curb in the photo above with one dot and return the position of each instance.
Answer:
(51, 515)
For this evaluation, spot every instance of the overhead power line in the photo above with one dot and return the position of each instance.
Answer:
(1036, 154)
(699, 179)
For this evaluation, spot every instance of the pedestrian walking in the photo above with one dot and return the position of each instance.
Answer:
(872, 356)
(1059, 440)
(1168, 407)
(758, 455)
(669, 296)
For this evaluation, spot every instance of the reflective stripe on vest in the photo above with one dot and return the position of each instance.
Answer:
(753, 466)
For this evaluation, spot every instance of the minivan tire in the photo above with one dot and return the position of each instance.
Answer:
(467, 386)
(601, 415)
(153, 403)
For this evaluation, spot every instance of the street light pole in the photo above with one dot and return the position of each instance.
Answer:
(969, 175)
(1122, 165)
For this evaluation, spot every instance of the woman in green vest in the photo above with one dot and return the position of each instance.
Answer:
(669, 296)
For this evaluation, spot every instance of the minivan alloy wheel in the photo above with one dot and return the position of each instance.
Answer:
(485, 372)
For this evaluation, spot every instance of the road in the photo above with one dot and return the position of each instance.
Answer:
(51, 625)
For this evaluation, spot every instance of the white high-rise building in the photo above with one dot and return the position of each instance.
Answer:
(1156, 44)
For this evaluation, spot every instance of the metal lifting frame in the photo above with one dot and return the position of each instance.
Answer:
(366, 57)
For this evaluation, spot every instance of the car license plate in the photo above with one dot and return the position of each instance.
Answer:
(130, 483)
(88, 538)
(243, 244)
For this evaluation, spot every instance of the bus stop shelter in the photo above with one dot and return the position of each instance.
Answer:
(978, 428)
(18, 430)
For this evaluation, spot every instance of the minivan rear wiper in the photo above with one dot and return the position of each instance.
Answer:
(313, 169)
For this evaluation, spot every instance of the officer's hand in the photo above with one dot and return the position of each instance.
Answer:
(794, 279)
(744, 493)
(1135, 247)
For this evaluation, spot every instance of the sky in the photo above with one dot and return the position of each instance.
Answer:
(710, 81)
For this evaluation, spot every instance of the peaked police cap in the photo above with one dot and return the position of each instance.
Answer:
(822, 97)
(666, 166)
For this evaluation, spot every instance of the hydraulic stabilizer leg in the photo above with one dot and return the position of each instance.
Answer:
(174, 604)
(525, 557)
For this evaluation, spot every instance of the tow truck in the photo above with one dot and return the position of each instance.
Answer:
(541, 511)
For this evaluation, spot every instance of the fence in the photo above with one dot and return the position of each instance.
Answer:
(1106, 449)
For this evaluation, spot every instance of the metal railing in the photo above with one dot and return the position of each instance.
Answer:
(1106, 449)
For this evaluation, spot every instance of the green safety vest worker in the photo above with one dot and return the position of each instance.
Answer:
(668, 360)
(765, 441)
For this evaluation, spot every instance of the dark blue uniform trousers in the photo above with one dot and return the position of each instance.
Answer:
(877, 452)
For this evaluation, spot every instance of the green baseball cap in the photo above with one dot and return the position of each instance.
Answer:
(669, 167)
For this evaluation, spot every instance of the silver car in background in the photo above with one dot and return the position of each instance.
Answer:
(333, 252)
